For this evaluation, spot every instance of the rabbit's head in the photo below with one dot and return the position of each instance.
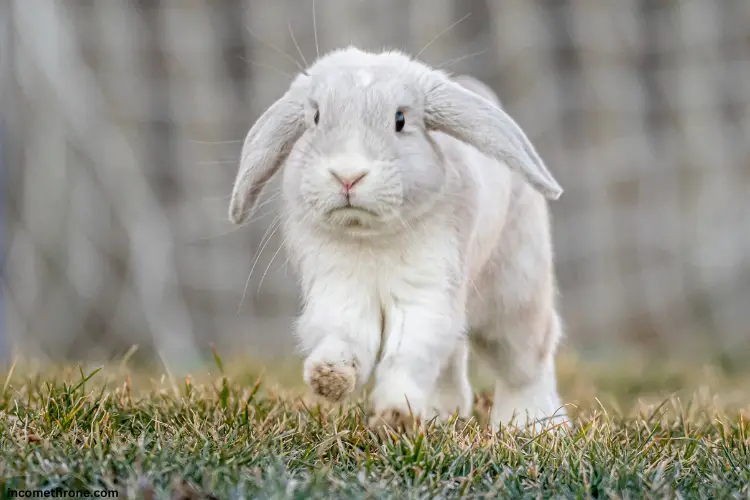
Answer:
(353, 134)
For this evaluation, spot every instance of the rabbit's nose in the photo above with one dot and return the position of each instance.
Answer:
(348, 180)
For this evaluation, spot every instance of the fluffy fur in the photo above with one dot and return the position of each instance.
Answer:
(413, 247)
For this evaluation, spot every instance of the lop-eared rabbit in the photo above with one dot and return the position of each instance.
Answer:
(416, 219)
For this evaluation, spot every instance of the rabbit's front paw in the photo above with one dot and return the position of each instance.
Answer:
(398, 403)
(333, 381)
(395, 420)
(331, 373)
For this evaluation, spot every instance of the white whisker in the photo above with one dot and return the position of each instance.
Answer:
(273, 192)
(229, 231)
(315, 29)
(281, 245)
(266, 66)
(255, 262)
(436, 37)
(294, 39)
(289, 254)
(270, 45)
(451, 62)
(276, 220)
(474, 285)
(269, 200)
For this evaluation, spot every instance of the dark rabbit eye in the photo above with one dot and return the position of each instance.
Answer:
(316, 117)
(400, 121)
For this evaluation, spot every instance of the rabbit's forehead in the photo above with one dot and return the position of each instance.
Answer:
(363, 77)
(366, 85)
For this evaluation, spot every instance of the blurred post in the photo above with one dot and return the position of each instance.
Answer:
(5, 88)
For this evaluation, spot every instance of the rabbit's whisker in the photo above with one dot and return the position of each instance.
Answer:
(315, 29)
(276, 224)
(437, 37)
(294, 39)
(270, 45)
(451, 62)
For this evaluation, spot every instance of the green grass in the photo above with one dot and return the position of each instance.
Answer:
(641, 431)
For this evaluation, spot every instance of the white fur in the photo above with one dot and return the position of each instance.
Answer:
(365, 78)
(447, 249)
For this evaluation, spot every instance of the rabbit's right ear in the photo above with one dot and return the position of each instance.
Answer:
(266, 147)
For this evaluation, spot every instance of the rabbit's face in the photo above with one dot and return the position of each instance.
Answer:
(365, 161)
(353, 133)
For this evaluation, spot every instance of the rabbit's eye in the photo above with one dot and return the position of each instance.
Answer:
(400, 121)
(316, 117)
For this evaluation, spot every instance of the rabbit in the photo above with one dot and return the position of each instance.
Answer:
(415, 215)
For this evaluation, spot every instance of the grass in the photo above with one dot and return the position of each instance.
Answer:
(642, 431)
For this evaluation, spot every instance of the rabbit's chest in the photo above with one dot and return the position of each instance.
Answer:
(401, 271)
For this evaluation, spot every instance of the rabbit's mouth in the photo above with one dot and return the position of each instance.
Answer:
(352, 216)
(352, 209)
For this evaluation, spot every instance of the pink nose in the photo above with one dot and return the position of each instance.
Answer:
(348, 181)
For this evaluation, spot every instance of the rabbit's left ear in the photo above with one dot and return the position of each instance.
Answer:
(470, 118)
(266, 147)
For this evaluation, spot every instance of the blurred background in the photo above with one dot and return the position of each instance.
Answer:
(121, 125)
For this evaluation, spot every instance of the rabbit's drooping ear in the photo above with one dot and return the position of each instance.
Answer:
(265, 148)
(470, 118)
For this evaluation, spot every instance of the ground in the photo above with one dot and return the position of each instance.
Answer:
(643, 429)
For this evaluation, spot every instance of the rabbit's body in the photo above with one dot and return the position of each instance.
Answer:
(444, 247)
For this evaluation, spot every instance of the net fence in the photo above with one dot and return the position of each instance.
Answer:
(121, 126)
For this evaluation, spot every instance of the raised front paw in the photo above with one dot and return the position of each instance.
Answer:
(333, 380)
(332, 369)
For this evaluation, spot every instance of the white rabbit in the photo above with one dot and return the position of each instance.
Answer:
(415, 215)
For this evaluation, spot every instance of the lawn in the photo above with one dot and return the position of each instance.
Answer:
(642, 430)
